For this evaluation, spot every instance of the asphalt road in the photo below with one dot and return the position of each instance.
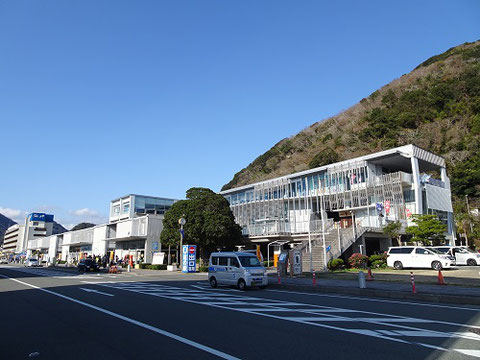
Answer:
(52, 314)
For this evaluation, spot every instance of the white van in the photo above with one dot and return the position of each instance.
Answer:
(463, 255)
(418, 257)
(236, 268)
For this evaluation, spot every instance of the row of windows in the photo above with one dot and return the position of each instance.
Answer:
(300, 187)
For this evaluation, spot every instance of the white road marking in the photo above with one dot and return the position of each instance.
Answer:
(320, 315)
(97, 292)
(133, 321)
(378, 300)
(470, 352)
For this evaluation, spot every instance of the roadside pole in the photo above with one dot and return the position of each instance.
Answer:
(182, 222)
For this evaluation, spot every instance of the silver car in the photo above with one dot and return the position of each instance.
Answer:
(236, 268)
(31, 262)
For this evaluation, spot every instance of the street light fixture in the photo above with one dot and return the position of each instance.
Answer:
(182, 222)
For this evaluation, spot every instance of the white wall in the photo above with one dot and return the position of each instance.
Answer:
(124, 229)
(155, 227)
(99, 245)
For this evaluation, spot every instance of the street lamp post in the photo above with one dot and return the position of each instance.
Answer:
(182, 222)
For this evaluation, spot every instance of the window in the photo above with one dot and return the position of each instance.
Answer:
(234, 262)
(400, 251)
(409, 195)
(116, 209)
(35, 223)
(421, 251)
(223, 261)
(249, 261)
(126, 208)
(214, 260)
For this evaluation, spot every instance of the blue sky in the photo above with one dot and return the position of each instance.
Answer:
(103, 98)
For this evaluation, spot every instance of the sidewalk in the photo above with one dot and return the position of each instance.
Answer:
(390, 290)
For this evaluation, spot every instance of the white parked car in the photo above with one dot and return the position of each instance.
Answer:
(418, 257)
(3, 261)
(31, 262)
(463, 255)
(236, 268)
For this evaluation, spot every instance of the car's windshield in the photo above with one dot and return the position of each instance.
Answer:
(436, 251)
(249, 261)
(443, 250)
(469, 250)
(32, 259)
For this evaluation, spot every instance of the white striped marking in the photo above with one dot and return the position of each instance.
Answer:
(134, 322)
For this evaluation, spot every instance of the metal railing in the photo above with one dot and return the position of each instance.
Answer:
(281, 227)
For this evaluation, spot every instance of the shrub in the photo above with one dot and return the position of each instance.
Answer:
(153, 267)
(203, 268)
(335, 264)
(358, 260)
(377, 264)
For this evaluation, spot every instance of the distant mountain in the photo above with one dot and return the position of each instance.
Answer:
(57, 228)
(81, 226)
(436, 107)
(5, 223)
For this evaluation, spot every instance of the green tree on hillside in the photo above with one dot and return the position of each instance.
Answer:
(209, 222)
(428, 229)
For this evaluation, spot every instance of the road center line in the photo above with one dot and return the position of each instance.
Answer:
(132, 321)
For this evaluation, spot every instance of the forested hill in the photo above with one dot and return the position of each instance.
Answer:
(436, 106)
(5, 223)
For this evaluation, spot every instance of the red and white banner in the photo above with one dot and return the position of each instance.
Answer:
(387, 206)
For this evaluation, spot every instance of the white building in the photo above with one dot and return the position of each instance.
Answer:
(134, 228)
(341, 208)
(36, 225)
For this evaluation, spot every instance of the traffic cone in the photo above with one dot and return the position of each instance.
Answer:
(369, 275)
(441, 281)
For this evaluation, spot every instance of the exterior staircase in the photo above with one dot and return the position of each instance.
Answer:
(336, 242)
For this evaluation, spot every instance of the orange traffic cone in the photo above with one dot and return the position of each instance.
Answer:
(369, 275)
(441, 281)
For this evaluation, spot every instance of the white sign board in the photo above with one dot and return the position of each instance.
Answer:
(158, 258)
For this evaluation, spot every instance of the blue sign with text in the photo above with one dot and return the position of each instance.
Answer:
(189, 258)
(41, 217)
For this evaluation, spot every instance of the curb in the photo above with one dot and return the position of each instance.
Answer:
(386, 294)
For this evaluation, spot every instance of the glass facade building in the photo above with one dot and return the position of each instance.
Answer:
(358, 197)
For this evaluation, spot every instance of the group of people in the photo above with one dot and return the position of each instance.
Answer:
(103, 261)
